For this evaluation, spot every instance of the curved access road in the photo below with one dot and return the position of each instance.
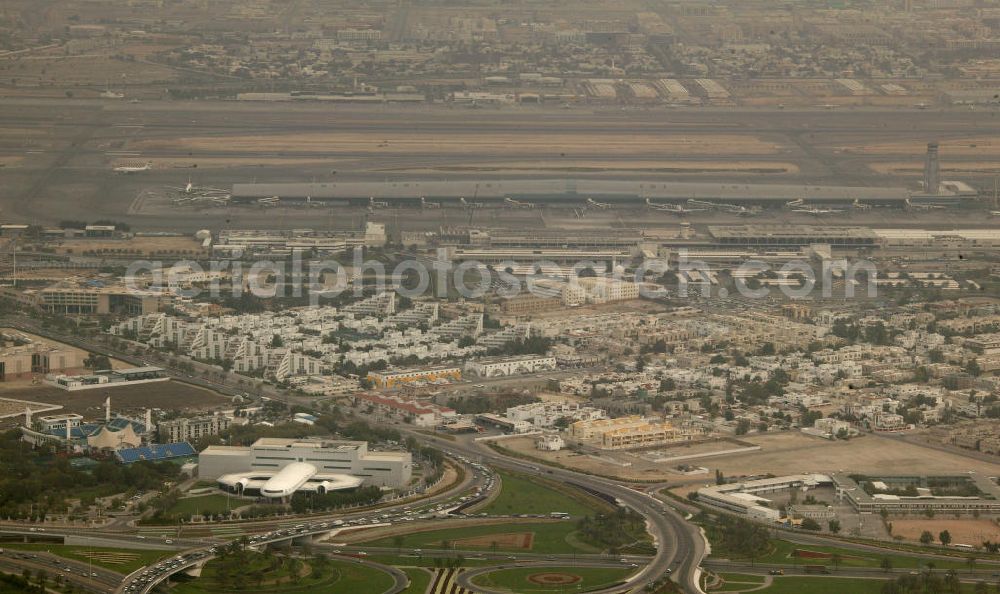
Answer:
(680, 546)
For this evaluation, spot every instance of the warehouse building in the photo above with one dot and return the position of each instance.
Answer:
(746, 498)
(952, 494)
(777, 236)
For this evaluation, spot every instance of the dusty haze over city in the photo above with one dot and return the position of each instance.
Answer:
(524, 297)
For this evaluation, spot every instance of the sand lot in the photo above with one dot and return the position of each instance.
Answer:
(790, 453)
(780, 453)
(90, 403)
(917, 167)
(10, 406)
(631, 166)
(977, 146)
(970, 532)
(507, 540)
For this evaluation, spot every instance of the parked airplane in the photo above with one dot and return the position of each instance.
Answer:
(127, 168)
(192, 190)
(817, 211)
(596, 204)
(517, 203)
(186, 200)
(923, 206)
(799, 205)
(672, 208)
(730, 208)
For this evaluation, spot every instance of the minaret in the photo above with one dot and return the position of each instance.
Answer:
(69, 432)
(107, 410)
(149, 424)
(27, 417)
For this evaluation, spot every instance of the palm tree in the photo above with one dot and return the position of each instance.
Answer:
(886, 564)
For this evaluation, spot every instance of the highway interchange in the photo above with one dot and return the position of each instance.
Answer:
(681, 549)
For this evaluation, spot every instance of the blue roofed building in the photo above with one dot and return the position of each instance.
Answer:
(155, 452)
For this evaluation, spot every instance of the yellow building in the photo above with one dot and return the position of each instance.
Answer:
(395, 378)
(626, 432)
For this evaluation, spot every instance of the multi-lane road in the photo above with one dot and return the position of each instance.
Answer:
(679, 545)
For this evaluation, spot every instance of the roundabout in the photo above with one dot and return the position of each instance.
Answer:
(541, 578)
(554, 579)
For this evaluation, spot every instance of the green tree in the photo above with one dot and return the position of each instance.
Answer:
(945, 537)
(886, 564)
(926, 537)
(834, 525)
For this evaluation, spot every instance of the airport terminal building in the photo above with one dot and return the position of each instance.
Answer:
(277, 468)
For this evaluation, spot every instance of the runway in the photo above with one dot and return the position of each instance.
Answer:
(57, 155)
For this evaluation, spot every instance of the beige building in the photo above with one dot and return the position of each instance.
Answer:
(38, 358)
(527, 304)
(626, 432)
(195, 428)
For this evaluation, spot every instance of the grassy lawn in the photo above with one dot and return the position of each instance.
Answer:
(517, 580)
(121, 560)
(818, 585)
(782, 553)
(203, 504)
(520, 494)
(549, 537)
(737, 582)
(335, 576)
(405, 561)
(419, 580)
(833, 585)
(746, 578)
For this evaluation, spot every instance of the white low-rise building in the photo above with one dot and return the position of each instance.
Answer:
(550, 442)
(505, 366)
(316, 465)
